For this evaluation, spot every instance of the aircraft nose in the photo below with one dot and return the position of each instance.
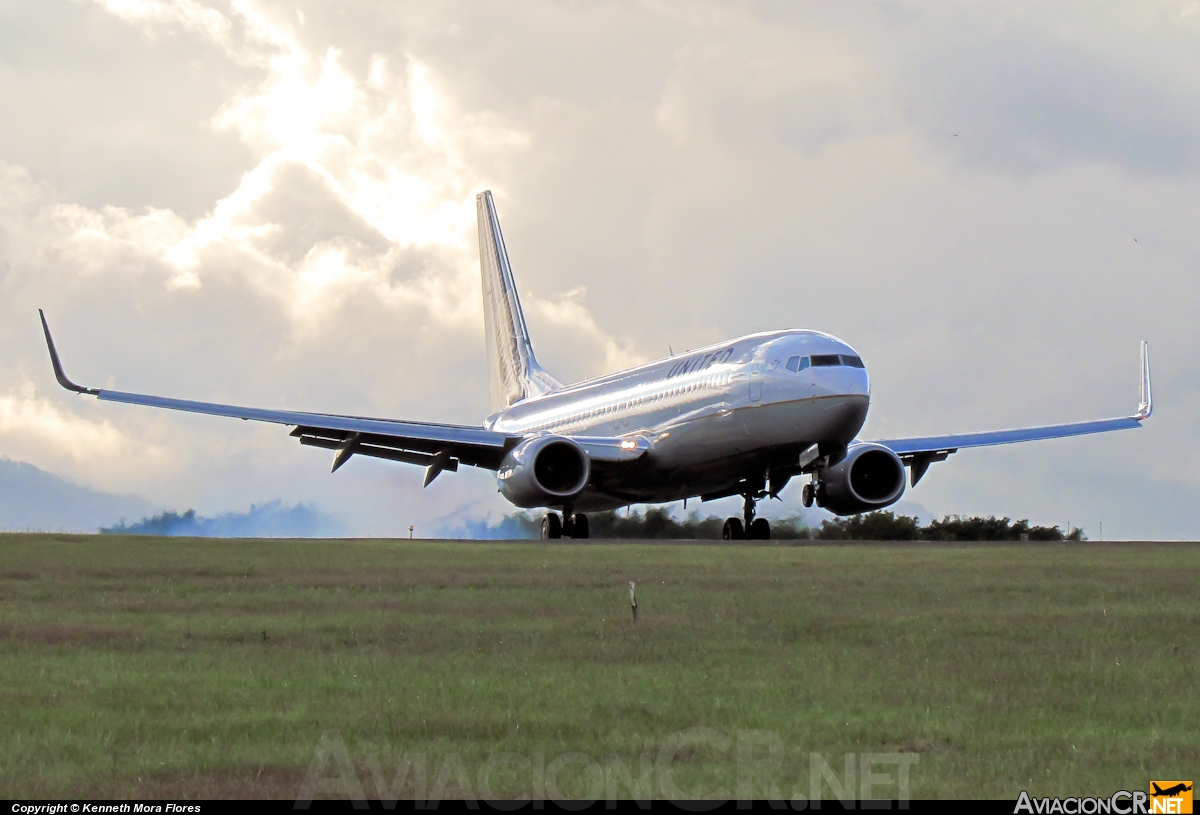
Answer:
(845, 382)
(860, 384)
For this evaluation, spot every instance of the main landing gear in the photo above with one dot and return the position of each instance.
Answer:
(576, 525)
(814, 492)
(754, 529)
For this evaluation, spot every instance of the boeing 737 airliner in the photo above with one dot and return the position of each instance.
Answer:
(743, 417)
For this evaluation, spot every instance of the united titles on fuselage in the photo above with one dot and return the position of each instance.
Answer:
(699, 363)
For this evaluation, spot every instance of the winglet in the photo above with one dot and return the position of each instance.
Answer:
(58, 368)
(1147, 404)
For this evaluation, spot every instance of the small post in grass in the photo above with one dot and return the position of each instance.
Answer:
(633, 599)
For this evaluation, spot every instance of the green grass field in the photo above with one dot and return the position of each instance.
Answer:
(172, 667)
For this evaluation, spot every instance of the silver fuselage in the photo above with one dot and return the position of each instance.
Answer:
(714, 416)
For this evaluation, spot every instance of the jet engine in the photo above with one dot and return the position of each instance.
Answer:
(870, 477)
(545, 471)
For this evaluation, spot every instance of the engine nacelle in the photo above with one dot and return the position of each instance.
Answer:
(870, 477)
(546, 471)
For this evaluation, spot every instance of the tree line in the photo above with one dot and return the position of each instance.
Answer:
(886, 526)
(654, 523)
(657, 523)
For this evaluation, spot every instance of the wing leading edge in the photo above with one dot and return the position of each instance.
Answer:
(919, 453)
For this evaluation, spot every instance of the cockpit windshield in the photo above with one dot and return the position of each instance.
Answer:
(824, 361)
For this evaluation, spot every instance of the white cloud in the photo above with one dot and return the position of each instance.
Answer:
(369, 155)
(360, 202)
(569, 323)
(39, 430)
(187, 14)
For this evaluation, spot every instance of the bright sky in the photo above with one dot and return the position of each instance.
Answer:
(271, 203)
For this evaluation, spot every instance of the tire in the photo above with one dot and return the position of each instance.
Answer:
(733, 530)
(806, 497)
(579, 526)
(760, 530)
(551, 527)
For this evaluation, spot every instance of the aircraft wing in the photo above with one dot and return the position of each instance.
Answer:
(437, 447)
(920, 452)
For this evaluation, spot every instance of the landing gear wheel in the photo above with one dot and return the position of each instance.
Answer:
(551, 527)
(760, 530)
(733, 530)
(806, 495)
(579, 526)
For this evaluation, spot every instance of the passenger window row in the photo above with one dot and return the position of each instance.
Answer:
(705, 383)
(824, 361)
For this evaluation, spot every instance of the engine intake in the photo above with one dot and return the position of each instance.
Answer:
(544, 472)
(870, 477)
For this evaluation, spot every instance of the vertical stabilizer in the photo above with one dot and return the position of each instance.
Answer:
(515, 373)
